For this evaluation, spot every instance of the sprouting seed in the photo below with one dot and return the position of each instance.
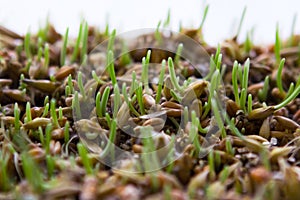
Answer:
(173, 75)
(85, 159)
(64, 49)
(157, 34)
(17, 117)
(84, 38)
(27, 45)
(77, 45)
(117, 100)
(110, 67)
(178, 53)
(262, 94)
(160, 81)
(139, 95)
(46, 55)
(66, 132)
(279, 75)
(204, 17)
(241, 22)
(167, 21)
(80, 85)
(53, 113)
(277, 45)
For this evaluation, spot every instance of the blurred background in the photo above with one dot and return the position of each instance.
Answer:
(222, 19)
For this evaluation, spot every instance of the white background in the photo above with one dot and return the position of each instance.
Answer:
(222, 19)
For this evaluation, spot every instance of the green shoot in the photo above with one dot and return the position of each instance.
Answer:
(27, 45)
(291, 89)
(85, 159)
(229, 148)
(111, 41)
(248, 43)
(212, 67)
(133, 84)
(76, 105)
(17, 117)
(108, 119)
(249, 103)
(211, 164)
(149, 156)
(160, 81)
(4, 178)
(168, 19)
(178, 53)
(84, 48)
(34, 177)
(218, 117)
(110, 143)
(241, 22)
(46, 55)
(70, 83)
(139, 95)
(278, 76)
(28, 112)
(96, 78)
(145, 69)
(157, 34)
(48, 138)
(277, 45)
(63, 51)
(77, 45)
(80, 85)
(40, 53)
(218, 52)
(117, 100)
(60, 113)
(243, 99)
(53, 113)
(110, 67)
(175, 96)
(46, 110)
(28, 65)
(246, 74)
(50, 165)
(128, 102)
(291, 39)
(98, 105)
(224, 174)
(213, 86)
(46, 100)
(294, 94)
(67, 132)
(67, 91)
(262, 94)
(193, 135)
(173, 75)
(204, 17)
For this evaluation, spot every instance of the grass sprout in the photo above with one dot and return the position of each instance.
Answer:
(117, 100)
(168, 19)
(203, 17)
(277, 45)
(263, 93)
(145, 70)
(46, 56)
(178, 53)
(292, 35)
(17, 117)
(53, 113)
(110, 144)
(173, 75)
(278, 76)
(85, 159)
(110, 67)
(63, 51)
(157, 34)
(34, 177)
(160, 81)
(27, 45)
(84, 42)
(76, 105)
(139, 95)
(80, 84)
(241, 22)
(66, 132)
(128, 102)
(28, 112)
(292, 96)
(77, 45)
